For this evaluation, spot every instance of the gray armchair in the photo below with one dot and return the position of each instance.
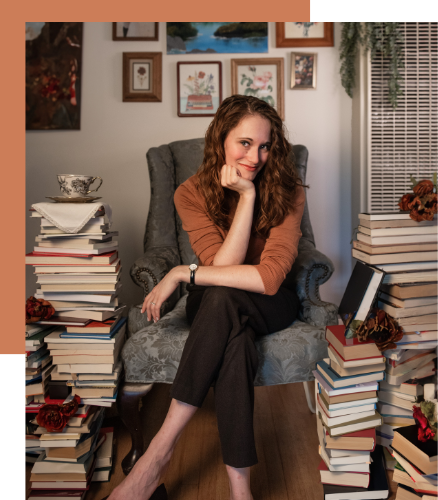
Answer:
(153, 351)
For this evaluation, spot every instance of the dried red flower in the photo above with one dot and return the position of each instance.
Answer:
(405, 200)
(50, 417)
(420, 417)
(382, 328)
(38, 309)
(69, 409)
(423, 188)
(425, 434)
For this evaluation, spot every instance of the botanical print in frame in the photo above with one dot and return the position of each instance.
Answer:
(304, 34)
(262, 78)
(303, 70)
(208, 38)
(199, 88)
(142, 76)
(53, 76)
(126, 32)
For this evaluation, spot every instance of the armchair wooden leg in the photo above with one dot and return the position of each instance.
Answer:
(308, 393)
(128, 404)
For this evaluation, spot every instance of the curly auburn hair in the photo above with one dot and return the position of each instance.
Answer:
(276, 184)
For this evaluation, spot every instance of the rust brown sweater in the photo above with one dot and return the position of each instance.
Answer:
(272, 257)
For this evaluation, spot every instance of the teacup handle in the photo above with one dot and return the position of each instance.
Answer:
(94, 178)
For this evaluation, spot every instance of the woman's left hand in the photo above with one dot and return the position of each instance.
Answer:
(161, 292)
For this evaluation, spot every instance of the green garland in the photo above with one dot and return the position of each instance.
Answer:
(376, 37)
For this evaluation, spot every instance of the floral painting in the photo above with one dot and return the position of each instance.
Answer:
(304, 30)
(303, 68)
(53, 75)
(258, 82)
(198, 38)
(199, 88)
(141, 76)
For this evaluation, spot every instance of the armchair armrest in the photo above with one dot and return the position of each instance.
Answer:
(150, 269)
(311, 269)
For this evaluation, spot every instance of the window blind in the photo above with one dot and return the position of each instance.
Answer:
(403, 141)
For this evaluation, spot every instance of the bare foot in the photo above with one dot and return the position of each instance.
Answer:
(144, 478)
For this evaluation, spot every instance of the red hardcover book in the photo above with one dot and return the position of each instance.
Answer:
(36, 259)
(95, 326)
(358, 479)
(350, 348)
(356, 359)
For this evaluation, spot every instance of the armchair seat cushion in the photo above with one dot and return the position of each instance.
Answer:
(153, 353)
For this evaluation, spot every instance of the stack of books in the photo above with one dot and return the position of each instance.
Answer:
(65, 467)
(352, 466)
(79, 274)
(416, 468)
(104, 456)
(89, 362)
(406, 251)
(38, 362)
(406, 375)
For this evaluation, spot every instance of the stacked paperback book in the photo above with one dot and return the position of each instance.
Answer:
(79, 274)
(416, 469)
(66, 466)
(351, 466)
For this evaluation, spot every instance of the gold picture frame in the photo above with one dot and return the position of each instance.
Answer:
(303, 70)
(142, 76)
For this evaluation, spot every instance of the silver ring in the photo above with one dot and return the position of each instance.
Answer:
(152, 303)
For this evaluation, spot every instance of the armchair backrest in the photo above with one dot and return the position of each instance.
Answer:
(169, 166)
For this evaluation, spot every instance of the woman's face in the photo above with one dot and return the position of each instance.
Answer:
(247, 146)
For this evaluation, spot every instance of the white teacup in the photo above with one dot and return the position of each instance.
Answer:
(76, 186)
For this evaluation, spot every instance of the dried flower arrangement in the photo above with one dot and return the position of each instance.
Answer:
(422, 203)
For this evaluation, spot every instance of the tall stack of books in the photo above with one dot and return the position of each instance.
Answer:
(79, 274)
(352, 466)
(406, 251)
(416, 468)
(65, 467)
(89, 362)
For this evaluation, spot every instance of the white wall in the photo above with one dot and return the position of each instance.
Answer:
(115, 136)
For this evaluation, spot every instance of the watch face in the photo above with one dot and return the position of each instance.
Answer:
(193, 267)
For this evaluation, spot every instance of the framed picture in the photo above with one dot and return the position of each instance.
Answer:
(142, 76)
(53, 76)
(127, 32)
(304, 34)
(262, 78)
(198, 38)
(303, 70)
(199, 88)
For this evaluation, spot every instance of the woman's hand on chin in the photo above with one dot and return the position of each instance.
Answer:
(161, 292)
(231, 178)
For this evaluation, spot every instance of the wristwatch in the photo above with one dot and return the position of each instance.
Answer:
(193, 268)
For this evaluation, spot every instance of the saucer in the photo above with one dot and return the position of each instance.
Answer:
(71, 199)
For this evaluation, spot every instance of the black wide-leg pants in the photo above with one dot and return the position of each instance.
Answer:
(220, 351)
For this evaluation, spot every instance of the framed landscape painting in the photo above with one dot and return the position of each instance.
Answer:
(53, 76)
(262, 78)
(126, 32)
(142, 76)
(304, 34)
(199, 88)
(211, 38)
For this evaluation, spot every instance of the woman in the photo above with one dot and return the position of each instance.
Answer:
(242, 212)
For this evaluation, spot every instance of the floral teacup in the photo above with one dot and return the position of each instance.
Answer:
(75, 185)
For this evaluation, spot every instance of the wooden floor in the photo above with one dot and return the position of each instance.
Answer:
(286, 440)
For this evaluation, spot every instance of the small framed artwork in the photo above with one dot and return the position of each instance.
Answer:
(303, 70)
(304, 34)
(262, 78)
(199, 87)
(127, 32)
(142, 76)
